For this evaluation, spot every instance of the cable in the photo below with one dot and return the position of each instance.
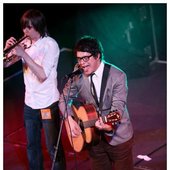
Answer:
(160, 147)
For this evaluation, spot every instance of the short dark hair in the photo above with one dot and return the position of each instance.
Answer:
(37, 19)
(89, 44)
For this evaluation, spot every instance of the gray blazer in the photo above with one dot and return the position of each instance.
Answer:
(114, 98)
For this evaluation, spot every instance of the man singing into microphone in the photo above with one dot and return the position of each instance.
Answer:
(105, 86)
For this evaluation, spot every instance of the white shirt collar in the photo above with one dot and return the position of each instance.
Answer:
(99, 71)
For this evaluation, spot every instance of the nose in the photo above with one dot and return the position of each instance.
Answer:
(81, 62)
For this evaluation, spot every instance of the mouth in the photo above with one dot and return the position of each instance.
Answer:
(86, 69)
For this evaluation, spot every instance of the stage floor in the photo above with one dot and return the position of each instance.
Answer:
(147, 107)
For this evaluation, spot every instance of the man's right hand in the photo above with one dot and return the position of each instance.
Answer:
(11, 41)
(75, 128)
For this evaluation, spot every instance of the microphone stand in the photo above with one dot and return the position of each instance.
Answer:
(58, 141)
(61, 127)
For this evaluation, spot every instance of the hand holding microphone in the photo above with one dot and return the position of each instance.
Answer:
(77, 72)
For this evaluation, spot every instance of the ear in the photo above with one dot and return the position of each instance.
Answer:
(98, 56)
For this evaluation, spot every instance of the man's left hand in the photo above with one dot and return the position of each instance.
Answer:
(102, 126)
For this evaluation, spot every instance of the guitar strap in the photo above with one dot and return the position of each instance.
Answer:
(103, 85)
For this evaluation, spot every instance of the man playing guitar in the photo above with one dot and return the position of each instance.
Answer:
(105, 87)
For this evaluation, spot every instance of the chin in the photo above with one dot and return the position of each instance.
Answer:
(87, 73)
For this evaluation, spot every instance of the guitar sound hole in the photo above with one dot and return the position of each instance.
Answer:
(80, 122)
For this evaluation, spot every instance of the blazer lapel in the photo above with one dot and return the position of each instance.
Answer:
(103, 85)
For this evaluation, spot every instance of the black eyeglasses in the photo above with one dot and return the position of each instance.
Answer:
(85, 58)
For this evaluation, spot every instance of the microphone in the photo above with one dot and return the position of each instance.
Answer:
(71, 75)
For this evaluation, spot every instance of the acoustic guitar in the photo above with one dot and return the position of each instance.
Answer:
(86, 116)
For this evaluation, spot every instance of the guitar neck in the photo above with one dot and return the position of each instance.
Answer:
(91, 123)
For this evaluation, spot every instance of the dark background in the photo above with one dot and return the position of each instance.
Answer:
(127, 32)
(134, 38)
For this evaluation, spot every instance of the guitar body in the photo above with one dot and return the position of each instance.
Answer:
(83, 113)
(76, 142)
(86, 116)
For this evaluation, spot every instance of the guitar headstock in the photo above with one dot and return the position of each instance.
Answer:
(113, 117)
